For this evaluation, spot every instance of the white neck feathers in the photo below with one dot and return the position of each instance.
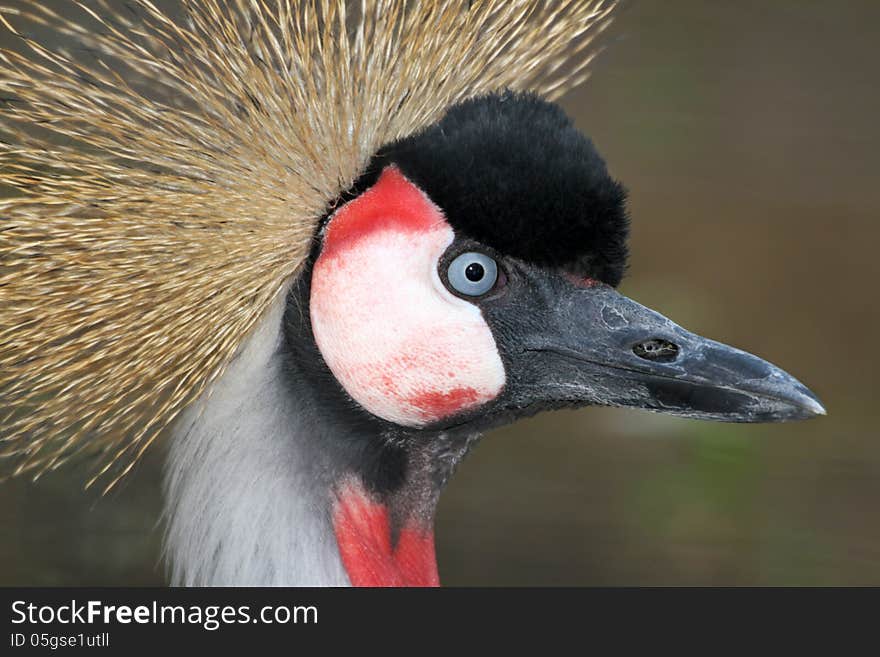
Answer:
(245, 504)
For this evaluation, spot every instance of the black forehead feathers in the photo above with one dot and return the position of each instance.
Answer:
(510, 170)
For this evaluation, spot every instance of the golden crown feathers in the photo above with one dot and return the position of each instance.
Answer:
(162, 171)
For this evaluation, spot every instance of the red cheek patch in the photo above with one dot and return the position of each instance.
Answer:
(395, 338)
(393, 203)
(441, 404)
(430, 404)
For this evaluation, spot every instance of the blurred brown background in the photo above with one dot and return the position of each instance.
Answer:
(747, 133)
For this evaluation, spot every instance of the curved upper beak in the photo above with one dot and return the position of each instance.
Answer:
(593, 345)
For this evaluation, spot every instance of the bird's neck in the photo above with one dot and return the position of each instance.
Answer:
(266, 486)
(376, 548)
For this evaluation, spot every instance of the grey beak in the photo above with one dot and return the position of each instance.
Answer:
(597, 346)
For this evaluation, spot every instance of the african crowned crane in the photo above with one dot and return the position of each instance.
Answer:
(334, 256)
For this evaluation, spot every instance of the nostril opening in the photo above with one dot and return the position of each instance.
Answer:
(657, 350)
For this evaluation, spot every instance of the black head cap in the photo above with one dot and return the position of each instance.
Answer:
(510, 170)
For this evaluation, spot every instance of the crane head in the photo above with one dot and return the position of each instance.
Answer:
(469, 279)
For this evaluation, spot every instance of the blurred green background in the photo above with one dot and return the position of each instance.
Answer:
(747, 134)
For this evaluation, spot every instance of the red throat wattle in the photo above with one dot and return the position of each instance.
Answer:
(370, 557)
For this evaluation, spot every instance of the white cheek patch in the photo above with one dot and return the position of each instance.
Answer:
(395, 338)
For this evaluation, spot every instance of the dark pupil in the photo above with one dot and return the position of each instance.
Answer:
(475, 272)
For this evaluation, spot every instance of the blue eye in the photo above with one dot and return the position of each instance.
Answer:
(472, 274)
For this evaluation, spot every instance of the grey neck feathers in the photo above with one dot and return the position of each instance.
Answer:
(247, 501)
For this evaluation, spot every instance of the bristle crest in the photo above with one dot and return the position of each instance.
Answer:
(161, 174)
